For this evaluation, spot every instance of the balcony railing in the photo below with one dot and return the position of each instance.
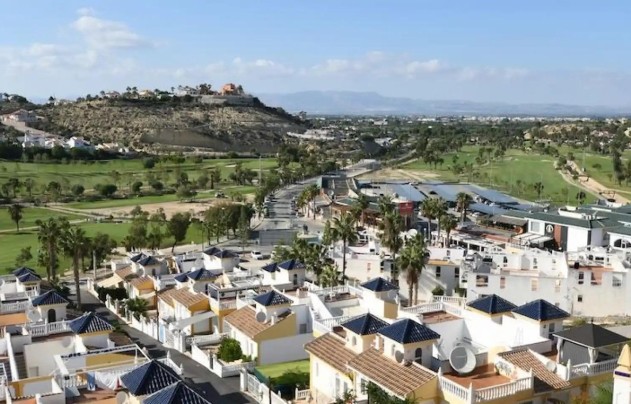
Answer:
(206, 339)
(591, 369)
(453, 388)
(14, 307)
(42, 330)
(503, 390)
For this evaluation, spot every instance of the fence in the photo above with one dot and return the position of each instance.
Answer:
(206, 339)
(503, 390)
(251, 385)
(47, 329)
(454, 388)
(14, 307)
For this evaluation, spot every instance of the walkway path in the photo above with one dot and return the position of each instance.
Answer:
(592, 186)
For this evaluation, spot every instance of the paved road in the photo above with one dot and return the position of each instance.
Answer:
(214, 388)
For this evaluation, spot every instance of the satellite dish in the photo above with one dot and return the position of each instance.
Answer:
(122, 398)
(462, 360)
(33, 315)
(398, 356)
(551, 366)
(392, 294)
(67, 342)
(261, 316)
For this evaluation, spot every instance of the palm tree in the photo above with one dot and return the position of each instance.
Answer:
(390, 237)
(15, 211)
(360, 205)
(385, 205)
(329, 276)
(343, 228)
(74, 243)
(440, 209)
(463, 200)
(449, 223)
(538, 187)
(137, 306)
(49, 235)
(311, 192)
(428, 209)
(413, 256)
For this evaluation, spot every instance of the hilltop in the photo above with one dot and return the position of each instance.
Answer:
(173, 121)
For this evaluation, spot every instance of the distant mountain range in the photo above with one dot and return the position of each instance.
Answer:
(371, 103)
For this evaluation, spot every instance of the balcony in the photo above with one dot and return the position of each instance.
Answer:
(455, 390)
(593, 369)
(43, 330)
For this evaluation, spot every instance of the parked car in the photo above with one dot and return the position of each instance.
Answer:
(256, 255)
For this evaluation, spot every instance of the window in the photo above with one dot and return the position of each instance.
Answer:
(392, 349)
(481, 281)
(616, 282)
(303, 328)
(579, 298)
(354, 341)
(502, 282)
(438, 272)
(535, 227)
(363, 386)
(557, 286)
(552, 327)
(534, 284)
(457, 273)
(581, 278)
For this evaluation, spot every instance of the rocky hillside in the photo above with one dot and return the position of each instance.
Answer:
(165, 122)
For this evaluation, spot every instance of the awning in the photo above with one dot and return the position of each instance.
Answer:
(110, 282)
(185, 322)
(513, 221)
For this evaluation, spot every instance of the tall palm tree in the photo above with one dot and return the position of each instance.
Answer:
(440, 210)
(49, 237)
(311, 192)
(360, 205)
(74, 245)
(137, 306)
(343, 228)
(449, 223)
(412, 259)
(329, 276)
(390, 237)
(16, 213)
(463, 200)
(385, 205)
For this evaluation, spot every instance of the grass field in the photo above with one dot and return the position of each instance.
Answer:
(515, 174)
(101, 172)
(29, 216)
(12, 243)
(277, 369)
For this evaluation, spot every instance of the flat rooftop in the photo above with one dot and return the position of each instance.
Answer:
(438, 317)
(481, 377)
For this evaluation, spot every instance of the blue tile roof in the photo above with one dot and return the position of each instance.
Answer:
(211, 250)
(182, 277)
(286, 265)
(147, 260)
(177, 393)
(365, 325)
(224, 254)
(29, 277)
(88, 323)
(492, 304)
(23, 270)
(541, 310)
(379, 285)
(138, 257)
(408, 331)
(272, 298)
(200, 274)
(50, 297)
(149, 378)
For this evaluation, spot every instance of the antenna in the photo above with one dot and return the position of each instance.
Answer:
(462, 359)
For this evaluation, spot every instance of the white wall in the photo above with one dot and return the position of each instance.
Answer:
(324, 379)
(97, 340)
(60, 310)
(248, 347)
(284, 349)
(576, 238)
(39, 356)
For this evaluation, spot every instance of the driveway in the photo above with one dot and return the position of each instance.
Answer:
(214, 388)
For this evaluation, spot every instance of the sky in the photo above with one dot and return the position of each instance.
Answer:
(571, 52)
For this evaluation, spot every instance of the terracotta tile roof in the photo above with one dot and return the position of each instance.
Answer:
(123, 273)
(187, 298)
(526, 360)
(244, 321)
(397, 378)
(166, 295)
(142, 283)
(331, 350)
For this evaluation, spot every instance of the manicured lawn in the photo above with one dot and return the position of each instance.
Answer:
(101, 172)
(29, 216)
(278, 369)
(515, 174)
(12, 243)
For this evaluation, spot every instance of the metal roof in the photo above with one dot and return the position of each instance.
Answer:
(592, 336)
(486, 209)
(408, 331)
(492, 195)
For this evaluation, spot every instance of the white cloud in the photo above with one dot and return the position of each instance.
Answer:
(105, 34)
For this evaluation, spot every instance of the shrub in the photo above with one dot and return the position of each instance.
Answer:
(230, 350)
(115, 293)
(438, 291)
(135, 187)
(149, 163)
(288, 382)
